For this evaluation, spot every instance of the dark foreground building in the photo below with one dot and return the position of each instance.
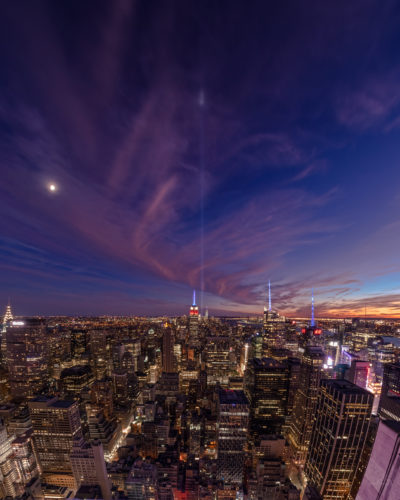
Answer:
(343, 414)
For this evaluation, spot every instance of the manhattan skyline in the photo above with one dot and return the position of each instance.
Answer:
(150, 149)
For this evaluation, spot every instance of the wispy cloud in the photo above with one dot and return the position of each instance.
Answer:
(374, 103)
(315, 167)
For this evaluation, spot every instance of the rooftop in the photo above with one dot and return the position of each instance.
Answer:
(62, 403)
(41, 398)
(75, 370)
(231, 397)
(344, 386)
(266, 363)
(314, 350)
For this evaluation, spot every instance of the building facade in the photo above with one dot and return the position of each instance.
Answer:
(232, 428)
(304, 403)
(343, 413)
(56, 423)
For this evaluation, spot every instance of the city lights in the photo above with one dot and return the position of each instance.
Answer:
(240, 388)
(199, 294)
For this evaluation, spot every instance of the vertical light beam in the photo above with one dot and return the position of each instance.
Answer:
(269, 295)
(312, 308)
(201, 103)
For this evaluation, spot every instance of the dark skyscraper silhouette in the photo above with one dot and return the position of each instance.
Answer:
(168, 357)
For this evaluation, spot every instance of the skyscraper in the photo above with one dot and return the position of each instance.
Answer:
(389, 404)
(266, 386)
(343, 413)
(294, 366)
(219, 360)
(233, 419)
(381, 480)
(8, 472)
(26, 357)
(194, 322)
(8, 315)
(56, 423)
(304, 403)
(99, 353)
(168, 358)
(24, 458)
(89, 467)
(267, 310)
(272, 323)
(358, 373)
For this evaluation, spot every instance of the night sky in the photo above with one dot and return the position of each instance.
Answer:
(280, 119)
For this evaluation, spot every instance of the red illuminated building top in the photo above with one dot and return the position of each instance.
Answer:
(194, 311)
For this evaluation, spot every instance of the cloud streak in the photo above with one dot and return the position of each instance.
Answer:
(112, 116)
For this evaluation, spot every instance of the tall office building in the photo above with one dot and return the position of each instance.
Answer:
(75, 378)
(381, 480)
(102, 397)
(168, 357)
(268, 309)
(99, 353)
(343, 413)
(194, 323)
(274, 327)
(358, 373)
(220, 360)
(8, 315)
(120, 385)
(294, 366)
(89, 467)
(26, 357)
(369, 441)
(389, 404)
(79, 340)
(8, 473)
(7, 319)
(117, 352)
(270, 325)
(266, 386)
(56, 423)
(304, 403)
(232, 427)
(24, 458)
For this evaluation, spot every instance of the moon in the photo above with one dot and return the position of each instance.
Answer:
(52, 188)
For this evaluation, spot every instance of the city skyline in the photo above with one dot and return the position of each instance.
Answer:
(147, 151)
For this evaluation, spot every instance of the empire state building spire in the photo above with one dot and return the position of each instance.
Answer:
(194, 322)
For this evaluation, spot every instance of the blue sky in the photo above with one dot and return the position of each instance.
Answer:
(282, 121)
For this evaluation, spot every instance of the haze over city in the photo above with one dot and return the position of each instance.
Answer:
(151, 148)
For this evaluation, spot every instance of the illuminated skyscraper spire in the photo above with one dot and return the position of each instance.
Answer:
(8, 315)
(194, 322)
(312, 308)
(269, 295)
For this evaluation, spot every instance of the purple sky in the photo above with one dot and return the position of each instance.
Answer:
(283, 121)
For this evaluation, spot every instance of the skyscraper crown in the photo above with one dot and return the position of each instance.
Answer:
(8, 315)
